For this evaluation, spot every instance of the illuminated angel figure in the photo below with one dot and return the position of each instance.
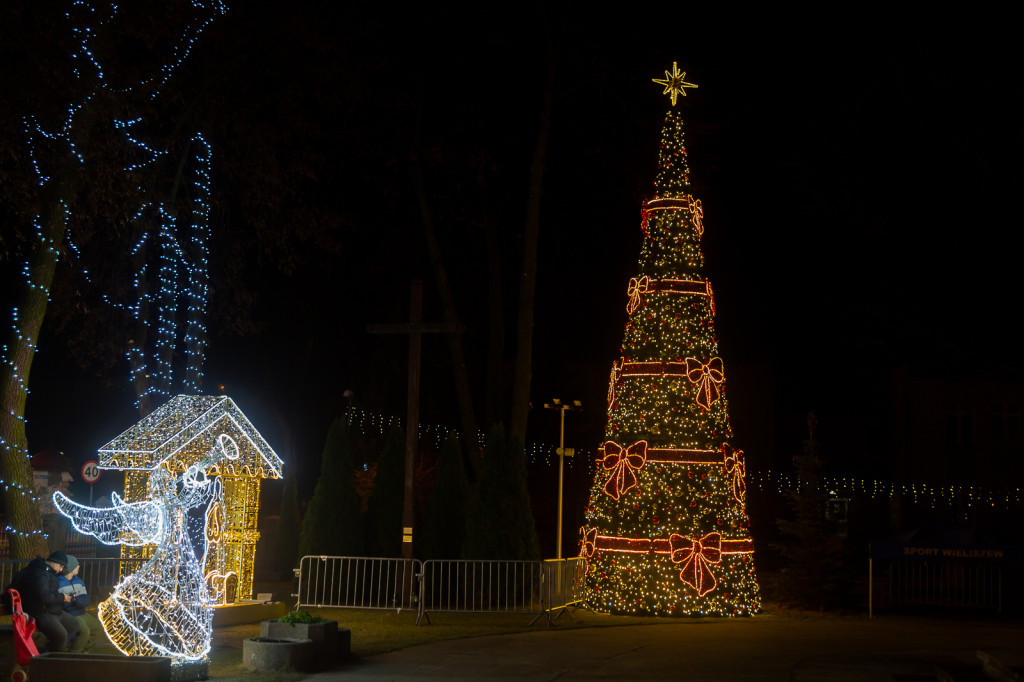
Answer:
(164, 608)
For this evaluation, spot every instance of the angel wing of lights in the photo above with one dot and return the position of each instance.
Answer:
(123, 523)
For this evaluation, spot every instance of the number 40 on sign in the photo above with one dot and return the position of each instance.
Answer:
(91, 474)
(91, 471)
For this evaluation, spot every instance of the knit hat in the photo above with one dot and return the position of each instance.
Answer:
(58, 557)
(71, 565)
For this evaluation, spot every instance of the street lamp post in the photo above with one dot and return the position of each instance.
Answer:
(562, 452)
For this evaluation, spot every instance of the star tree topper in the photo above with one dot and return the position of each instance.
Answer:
(674, 83)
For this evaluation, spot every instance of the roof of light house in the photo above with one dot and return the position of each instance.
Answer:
(183, 431)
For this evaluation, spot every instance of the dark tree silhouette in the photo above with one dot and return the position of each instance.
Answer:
(384, 509)
(289, 526)
(332, 524)
(445, 518)
(499, 521)
(813, 548)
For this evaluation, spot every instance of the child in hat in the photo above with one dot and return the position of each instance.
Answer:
(89, 626)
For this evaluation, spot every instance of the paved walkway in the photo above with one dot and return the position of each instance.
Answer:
(760, 648)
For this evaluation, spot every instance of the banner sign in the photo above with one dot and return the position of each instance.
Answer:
(895, 550)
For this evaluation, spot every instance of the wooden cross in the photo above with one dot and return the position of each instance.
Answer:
(415, 328)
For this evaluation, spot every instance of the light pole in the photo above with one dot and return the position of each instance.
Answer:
(562, 452)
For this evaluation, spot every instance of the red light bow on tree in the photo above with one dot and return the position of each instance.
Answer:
(696, 556)
(613, 384)
(734, 464)
(637, 286)
(697, 215)
(707, 377)
(623, 463)
(588, 543)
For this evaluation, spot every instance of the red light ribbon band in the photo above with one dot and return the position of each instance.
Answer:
(645, 285)
(696, 555)
(652, 369)
(611, 543)
(668, 204)
(674, 456)
(688, 202)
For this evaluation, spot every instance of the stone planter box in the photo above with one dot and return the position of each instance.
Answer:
(97, 667)
(331, 642)
(264, 654)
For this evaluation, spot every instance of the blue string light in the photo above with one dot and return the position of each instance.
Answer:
(199, 280)
(57, 145)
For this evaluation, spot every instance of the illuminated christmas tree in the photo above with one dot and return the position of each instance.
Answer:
(666, 525)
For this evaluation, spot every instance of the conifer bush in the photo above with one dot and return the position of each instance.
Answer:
(332, 525)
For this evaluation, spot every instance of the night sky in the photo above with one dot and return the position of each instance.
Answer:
(860, 177)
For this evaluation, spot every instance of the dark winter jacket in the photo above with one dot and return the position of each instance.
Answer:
(39, 588)
(79, 597)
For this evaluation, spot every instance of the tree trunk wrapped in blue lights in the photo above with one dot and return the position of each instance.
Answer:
(666, 528)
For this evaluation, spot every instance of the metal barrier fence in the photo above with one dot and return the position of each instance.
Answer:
(482, 587)
(542, 588)
(357, 582)
(959, 584)
(565, 584)
(942, 583)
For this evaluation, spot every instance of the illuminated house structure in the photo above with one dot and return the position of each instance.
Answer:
(179, 434)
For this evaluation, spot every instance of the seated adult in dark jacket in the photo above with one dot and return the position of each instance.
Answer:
(39, 587)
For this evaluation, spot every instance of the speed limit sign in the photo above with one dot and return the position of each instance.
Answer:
(91, 471)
